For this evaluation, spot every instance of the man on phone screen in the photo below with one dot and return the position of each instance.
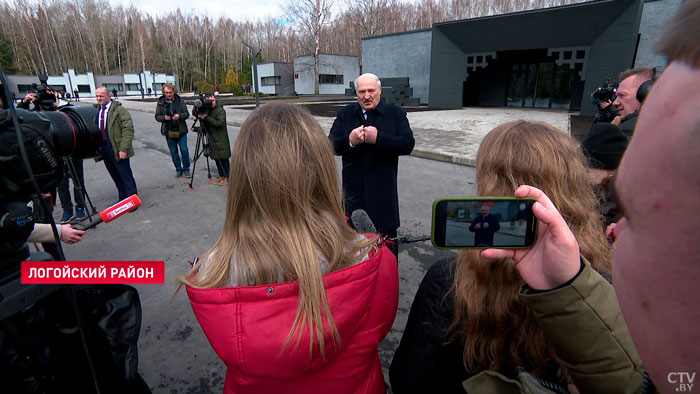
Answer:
(484, 227)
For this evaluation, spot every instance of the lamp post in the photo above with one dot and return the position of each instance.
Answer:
(252, 53)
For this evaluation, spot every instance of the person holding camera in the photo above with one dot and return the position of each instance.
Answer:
(171, 111)
(628, 100)
(75, 164)
(603, 98)
(220, 149)
(468, 328)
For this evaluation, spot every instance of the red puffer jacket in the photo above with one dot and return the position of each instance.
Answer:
(247, 326)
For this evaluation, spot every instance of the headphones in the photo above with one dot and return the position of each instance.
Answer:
(645, 88)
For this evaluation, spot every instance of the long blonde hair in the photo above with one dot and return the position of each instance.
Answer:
(497, 330)
(283, 215)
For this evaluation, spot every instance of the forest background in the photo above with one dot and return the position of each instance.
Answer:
(51, 36)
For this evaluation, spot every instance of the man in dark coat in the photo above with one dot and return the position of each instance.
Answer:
(371, 135)
(484, 226)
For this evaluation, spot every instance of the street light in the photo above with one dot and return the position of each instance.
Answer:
(252, 53)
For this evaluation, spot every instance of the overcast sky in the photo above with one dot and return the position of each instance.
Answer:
(237, 10)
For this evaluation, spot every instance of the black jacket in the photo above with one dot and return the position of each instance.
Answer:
(369, 171)
(627, 124)
(424, 362)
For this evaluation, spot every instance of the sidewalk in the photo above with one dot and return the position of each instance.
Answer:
(451, 135)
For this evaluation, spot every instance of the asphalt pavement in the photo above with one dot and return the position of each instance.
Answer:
(175, 224)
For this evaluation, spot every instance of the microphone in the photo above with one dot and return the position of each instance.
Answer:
(409, 239)
(362, 222)
(113, 212)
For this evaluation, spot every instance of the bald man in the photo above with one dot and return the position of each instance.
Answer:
(117, 129)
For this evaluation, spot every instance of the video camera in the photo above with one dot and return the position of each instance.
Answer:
(604, 93)
(35, 162)
(202, 106)
(45, 98)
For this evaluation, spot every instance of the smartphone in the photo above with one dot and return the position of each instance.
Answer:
(483, 222)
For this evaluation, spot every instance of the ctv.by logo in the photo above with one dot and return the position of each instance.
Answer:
(684, 380)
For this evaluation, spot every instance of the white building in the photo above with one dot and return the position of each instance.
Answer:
(276, 78)
(335, 73)
(85, 84)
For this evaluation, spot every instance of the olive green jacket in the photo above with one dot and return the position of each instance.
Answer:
(216, 124)
(584, 323)
(162, 110)
(120, 129)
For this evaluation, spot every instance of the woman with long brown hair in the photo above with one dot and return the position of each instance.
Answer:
(290, 297)
(467, 317)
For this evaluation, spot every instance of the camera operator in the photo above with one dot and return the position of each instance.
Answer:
(215, 122)
(77, 164)
(627, 102)
(603, 98)
(32, 98)
(171, 111)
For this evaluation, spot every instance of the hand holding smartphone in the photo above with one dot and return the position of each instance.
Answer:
(554, 258)
(483, 222)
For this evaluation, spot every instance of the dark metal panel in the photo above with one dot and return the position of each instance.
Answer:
(447, 71)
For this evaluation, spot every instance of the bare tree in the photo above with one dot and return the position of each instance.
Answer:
(308, 17)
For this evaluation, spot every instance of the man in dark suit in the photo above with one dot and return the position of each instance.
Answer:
(371, 135)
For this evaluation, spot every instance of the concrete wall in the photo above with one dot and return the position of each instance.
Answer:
(447, 71)
(286, 72)
(654, 18)
(304, 77)
(401, 55)
(283, 70)
(611, 53)
(266, 70)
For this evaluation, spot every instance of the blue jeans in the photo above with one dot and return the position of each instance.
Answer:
(182, 143)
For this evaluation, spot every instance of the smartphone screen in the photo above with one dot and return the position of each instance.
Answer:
(483, 222)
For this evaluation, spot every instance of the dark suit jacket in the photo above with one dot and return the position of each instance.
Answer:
(369, 171)
(484, 236)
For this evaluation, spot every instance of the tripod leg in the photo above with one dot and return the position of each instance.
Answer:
(79, 185)
(197, 154)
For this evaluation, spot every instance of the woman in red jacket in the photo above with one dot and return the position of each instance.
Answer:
(290, 297)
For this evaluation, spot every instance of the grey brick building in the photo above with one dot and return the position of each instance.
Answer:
(549, 58)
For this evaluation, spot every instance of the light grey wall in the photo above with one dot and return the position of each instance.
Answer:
(611, 53)
(401, 55)
(266, 70)
(655, 16)
(328, 64)
(304, 74)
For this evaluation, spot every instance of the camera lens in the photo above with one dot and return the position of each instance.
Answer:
(74, 131)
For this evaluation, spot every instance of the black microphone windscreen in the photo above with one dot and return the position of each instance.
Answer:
(97, 220)
(362, 222)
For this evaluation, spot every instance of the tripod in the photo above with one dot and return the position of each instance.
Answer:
(202, 147)
(79, 186)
